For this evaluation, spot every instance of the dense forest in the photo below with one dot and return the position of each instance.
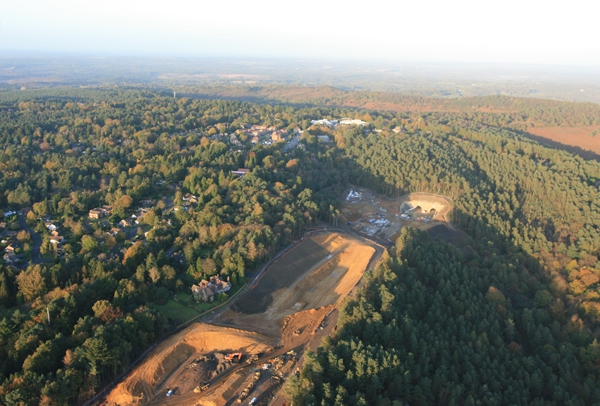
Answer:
(509, 315)
(433, 326)
(514, 112)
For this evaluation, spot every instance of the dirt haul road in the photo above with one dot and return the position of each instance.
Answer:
(285, 310)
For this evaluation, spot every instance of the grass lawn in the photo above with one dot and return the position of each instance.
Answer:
(182, 310)
(176, 311)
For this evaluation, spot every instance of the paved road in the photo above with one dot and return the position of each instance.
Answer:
(36, 258)
(292, 144)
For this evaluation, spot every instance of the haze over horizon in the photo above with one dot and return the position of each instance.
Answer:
(464, 31)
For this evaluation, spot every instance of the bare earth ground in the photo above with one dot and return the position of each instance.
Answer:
(167, 359)
(563, 137)
(325, 279)
(298, 294)
(372, 207)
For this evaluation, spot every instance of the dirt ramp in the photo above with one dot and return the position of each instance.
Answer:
(299, 327)
(330, 241)
(164, 365)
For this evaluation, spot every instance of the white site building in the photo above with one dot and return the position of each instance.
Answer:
(349, 121)
(353, 195)
(323, 121)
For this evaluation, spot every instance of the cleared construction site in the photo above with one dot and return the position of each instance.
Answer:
(244, 353)
(381, 217)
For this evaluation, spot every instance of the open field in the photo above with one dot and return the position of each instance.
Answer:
(381, 217)
(568, 137)
(287, 309)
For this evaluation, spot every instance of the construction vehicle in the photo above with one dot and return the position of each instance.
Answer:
(201, 388)
(245, 392)
(233, 357)
(252, 358)
(243, 395)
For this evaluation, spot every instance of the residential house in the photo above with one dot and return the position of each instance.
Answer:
(203, 291)
(99, 212)
(114, 231)
(51, 226)
(95, 214)
(206, 290)
(220, 285)
(188, 197)
(56, 239)
(125, 223)
(9, 249)
(278, 136)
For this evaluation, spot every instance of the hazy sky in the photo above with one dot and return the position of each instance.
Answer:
(515, 31)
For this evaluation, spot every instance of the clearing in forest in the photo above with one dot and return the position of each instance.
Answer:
(286, 310)
(382, 217)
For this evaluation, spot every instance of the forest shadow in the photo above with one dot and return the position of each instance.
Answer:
(475, 238)
(584, 153)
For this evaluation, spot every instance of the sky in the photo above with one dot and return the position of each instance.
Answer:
(492, 31)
